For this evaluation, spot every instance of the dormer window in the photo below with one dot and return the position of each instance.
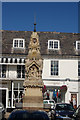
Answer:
(77, 45)
(18, 43)
(53, 44)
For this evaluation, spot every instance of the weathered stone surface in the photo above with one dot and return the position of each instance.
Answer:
(33, 98)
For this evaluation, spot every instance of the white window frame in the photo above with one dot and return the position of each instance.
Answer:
(77, 45)
(3, 72)
(53, 44)
(21, 73)
(18, 91)
(19, 39)
(56, 67)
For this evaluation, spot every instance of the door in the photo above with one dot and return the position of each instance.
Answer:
(74, 99)
(3, 97)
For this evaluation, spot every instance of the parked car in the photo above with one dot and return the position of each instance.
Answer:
(2, 111)
(64, 111)
(26, 115)
(50, 103)
(77, 113)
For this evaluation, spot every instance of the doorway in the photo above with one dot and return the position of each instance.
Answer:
(4, 96)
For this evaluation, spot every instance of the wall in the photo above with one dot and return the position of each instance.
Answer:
(67, 69)
(12, 71)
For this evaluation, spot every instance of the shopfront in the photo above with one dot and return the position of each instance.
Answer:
(15, 93)
(56, 93)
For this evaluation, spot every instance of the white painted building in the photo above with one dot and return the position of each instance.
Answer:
(67, 75)
(61, 66)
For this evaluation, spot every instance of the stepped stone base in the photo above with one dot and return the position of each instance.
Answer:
(33, 99)
(32, 108)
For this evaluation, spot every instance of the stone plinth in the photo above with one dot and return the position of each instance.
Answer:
(33, 99)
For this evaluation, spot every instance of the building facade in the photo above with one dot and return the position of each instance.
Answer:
(61, 65)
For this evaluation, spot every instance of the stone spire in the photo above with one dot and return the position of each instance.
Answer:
(34, 47)
(34, 63)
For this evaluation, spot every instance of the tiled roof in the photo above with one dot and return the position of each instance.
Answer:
(67, 42)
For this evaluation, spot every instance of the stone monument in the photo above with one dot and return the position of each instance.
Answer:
(33, 84)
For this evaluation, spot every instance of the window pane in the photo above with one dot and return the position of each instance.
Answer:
(55, 44)
(16, 43)
(0, 70)
(23, 71)
(21, 85)
(78, 45)
(3, 71)
(18, 92)
(54, 67)
(79, 68)
(19, 71)
(15, 85)
(21, 43)
(50, 44)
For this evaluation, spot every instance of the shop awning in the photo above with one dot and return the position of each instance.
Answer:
(12, 60)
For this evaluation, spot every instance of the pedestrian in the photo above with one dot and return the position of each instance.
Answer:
(74, 102)
(55, 95)
(47, 94)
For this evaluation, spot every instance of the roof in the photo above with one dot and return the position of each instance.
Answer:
(67, 42)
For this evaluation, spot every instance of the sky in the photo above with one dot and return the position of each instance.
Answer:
(50, 16)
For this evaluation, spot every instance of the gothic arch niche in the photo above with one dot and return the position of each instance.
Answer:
(33, 71)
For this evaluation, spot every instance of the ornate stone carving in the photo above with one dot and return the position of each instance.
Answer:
(33, 78)
(33, 63)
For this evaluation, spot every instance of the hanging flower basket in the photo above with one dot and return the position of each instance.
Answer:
(63, 88)
(44, 89)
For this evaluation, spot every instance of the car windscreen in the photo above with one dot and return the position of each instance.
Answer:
(64, 107)
(52, 102)
(45, 102)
